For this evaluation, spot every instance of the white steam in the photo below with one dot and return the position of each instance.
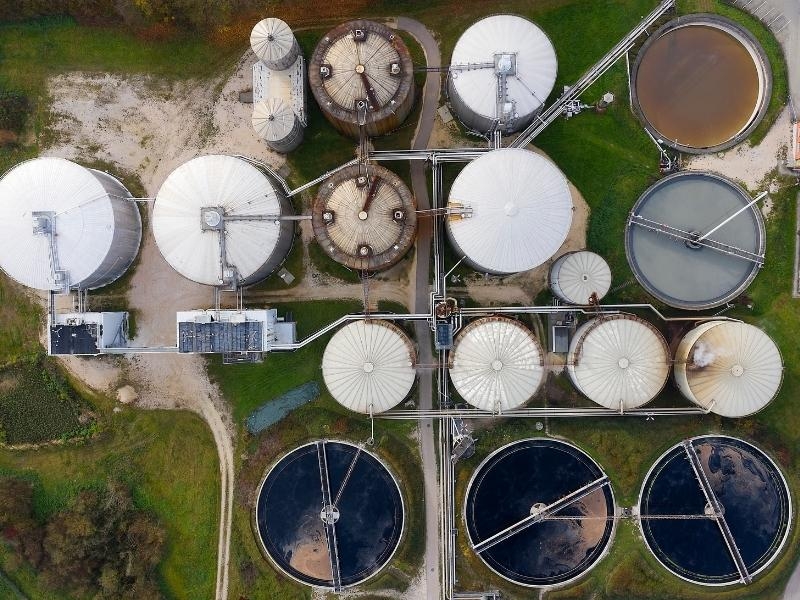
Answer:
(703, 355)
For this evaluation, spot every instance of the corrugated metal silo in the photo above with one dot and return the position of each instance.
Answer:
(361, 75)
(364, 217)
(216, 220)
(496, 364)
(619, 361)
(277, 124)
(502, 70)
(580, 277)
(729, 368)
(516, 211)
(368, 366)
(66, 226)
(274, 44)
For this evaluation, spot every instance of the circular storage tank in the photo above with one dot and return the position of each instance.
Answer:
(661, 240)
(618, 361)
(729, 368)
(274, 44)
(517, 511)
(277, 124)
(580, 278)
(496, 364)
(519, 211)
(219, 195)
(683, 530)
(368, 366)
(501, 55)
(365, 220)
(701, 83)
(329, 514)
(361, 75)
(51, 205)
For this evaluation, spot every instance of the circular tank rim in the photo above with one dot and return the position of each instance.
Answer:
(675, 303)
(522, 123)
(563, 258)
(320, 93)
(408, 236)
(769, 459)
(268, 472)
(557, 441)
(751, 44)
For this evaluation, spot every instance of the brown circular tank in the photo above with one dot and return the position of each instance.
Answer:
(364, 217)
(361, 76)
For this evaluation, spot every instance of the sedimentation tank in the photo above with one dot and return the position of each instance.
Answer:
(274, 44)
(329, 514)
(518, 510)
(619, 361)
(692, 241)
(496, 364)
(217, 220)
(580, 278)
(701, 83)
(511, 210)
(66, 226)
(362, 78)
(729, 368)
(502, 70)
(715, 510)
(365, 217)
(368, 366)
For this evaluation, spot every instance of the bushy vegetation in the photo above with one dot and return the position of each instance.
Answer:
(99, 546)
(37, 405)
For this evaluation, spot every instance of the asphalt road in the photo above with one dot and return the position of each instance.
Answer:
(430, 102)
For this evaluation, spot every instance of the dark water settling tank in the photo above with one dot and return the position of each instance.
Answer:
(701, 83)
(715, 510)
(329, 514)
(539, 512)
(693, 242)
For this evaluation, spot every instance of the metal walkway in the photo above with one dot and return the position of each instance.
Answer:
(592, 75)
(718, 511)
(328, 518)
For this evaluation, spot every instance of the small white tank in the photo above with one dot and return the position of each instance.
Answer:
(580, 278)
(274, 44)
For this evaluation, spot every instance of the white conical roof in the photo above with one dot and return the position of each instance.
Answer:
(535, 65)
(368, 366)
(271, 40)
(521, 210)
(732, 369)
(576, 276)
(618, 361)
(238, 189)
(273, 119)
(496, 364)
(83, 216)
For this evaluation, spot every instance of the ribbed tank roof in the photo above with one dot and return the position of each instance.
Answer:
(521, 210)
(237, 189)
(730, 368)
(271, 40)
(496, 364)
(273, 119)
(74, 203)
(534, 65)
(368, 366)
(577, 276)
(618, 361)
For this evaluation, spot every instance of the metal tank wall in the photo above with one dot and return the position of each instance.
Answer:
(285, 240)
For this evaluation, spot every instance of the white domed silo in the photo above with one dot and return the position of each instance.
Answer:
(66, 226)
(496, 364)
(368, 366)
(502, 70)
(729, 368)
(277, 124)
(580, 278)
(217, 221)
(274, 44)
(618, 361)
(511, 211)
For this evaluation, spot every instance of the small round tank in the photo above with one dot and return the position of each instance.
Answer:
(362, 77)
(277, 124)
(580, 278)
(274, 44)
